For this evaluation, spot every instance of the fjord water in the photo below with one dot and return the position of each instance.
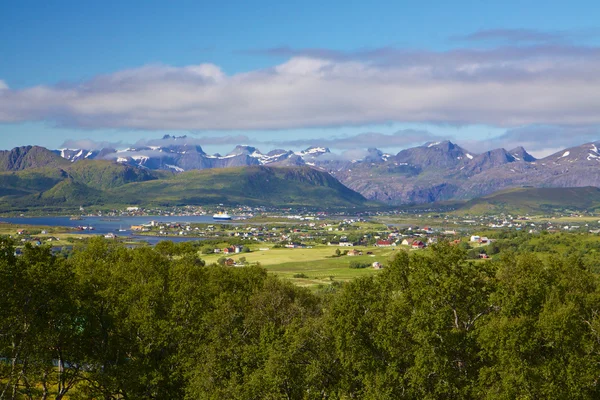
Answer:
(103, 225)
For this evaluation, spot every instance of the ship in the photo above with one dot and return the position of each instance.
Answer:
(223, 216)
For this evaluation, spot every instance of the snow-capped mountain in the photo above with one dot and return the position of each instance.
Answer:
(77, 154)
(178, 155)
(431, 172)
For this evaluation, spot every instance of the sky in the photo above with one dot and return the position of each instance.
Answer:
(274, 74)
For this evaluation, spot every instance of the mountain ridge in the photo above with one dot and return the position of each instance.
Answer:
(434, 171)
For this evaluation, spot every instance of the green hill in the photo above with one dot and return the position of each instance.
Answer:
(103, 174)
(30, 181)
(535, 200)
(70, 192)
(105, 183)
(284, 186)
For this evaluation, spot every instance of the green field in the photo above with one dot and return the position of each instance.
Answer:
(317, 263)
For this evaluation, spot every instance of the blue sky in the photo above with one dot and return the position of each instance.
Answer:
(274, 71)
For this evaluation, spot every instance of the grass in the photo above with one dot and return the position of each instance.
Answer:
(317, 263)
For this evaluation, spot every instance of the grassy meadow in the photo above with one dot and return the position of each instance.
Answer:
(318, 264)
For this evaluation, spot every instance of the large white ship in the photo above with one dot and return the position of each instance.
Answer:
(222, 216)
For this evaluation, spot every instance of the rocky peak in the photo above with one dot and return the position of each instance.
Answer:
(243, 150)
(520, 154)
(315, 151)
(434, 155)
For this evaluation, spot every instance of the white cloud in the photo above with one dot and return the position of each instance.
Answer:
(504, 87)
(401, 138)
(90, 144)
(540, 141)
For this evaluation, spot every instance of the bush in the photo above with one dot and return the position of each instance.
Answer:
(359, 265)
(208, 250)
(301, 275)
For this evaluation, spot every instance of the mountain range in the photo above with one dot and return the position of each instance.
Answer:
(435, 171)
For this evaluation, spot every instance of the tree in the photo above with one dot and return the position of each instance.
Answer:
(208, 250)
(542, 341)
(41, 324)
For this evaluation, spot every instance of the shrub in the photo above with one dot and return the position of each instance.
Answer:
(359, 265)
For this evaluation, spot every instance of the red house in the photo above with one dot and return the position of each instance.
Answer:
(417, 244)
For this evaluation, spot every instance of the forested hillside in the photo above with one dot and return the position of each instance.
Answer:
(156, 323)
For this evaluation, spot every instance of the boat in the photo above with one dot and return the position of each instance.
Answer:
(121, 229)
(223, 216)
(76, 218)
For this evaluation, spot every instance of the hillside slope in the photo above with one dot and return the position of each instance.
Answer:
(269, 186)
(96, 182)
(535, 200)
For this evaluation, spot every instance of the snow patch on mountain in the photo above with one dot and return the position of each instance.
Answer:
(174, 167)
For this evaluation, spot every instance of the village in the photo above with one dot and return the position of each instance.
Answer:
(310, 248)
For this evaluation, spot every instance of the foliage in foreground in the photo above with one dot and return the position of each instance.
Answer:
(111, 323)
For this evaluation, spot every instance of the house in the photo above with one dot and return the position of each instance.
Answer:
(217, 251)
(475, 238)
(484, 256)
(355, 253)
(417, 244)
(484, 240)
(229, 262)
(110, 235)
(229, 250)
(346, 244)
(405, 242)
(383, 243)
(377, 265)
(295, 246)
